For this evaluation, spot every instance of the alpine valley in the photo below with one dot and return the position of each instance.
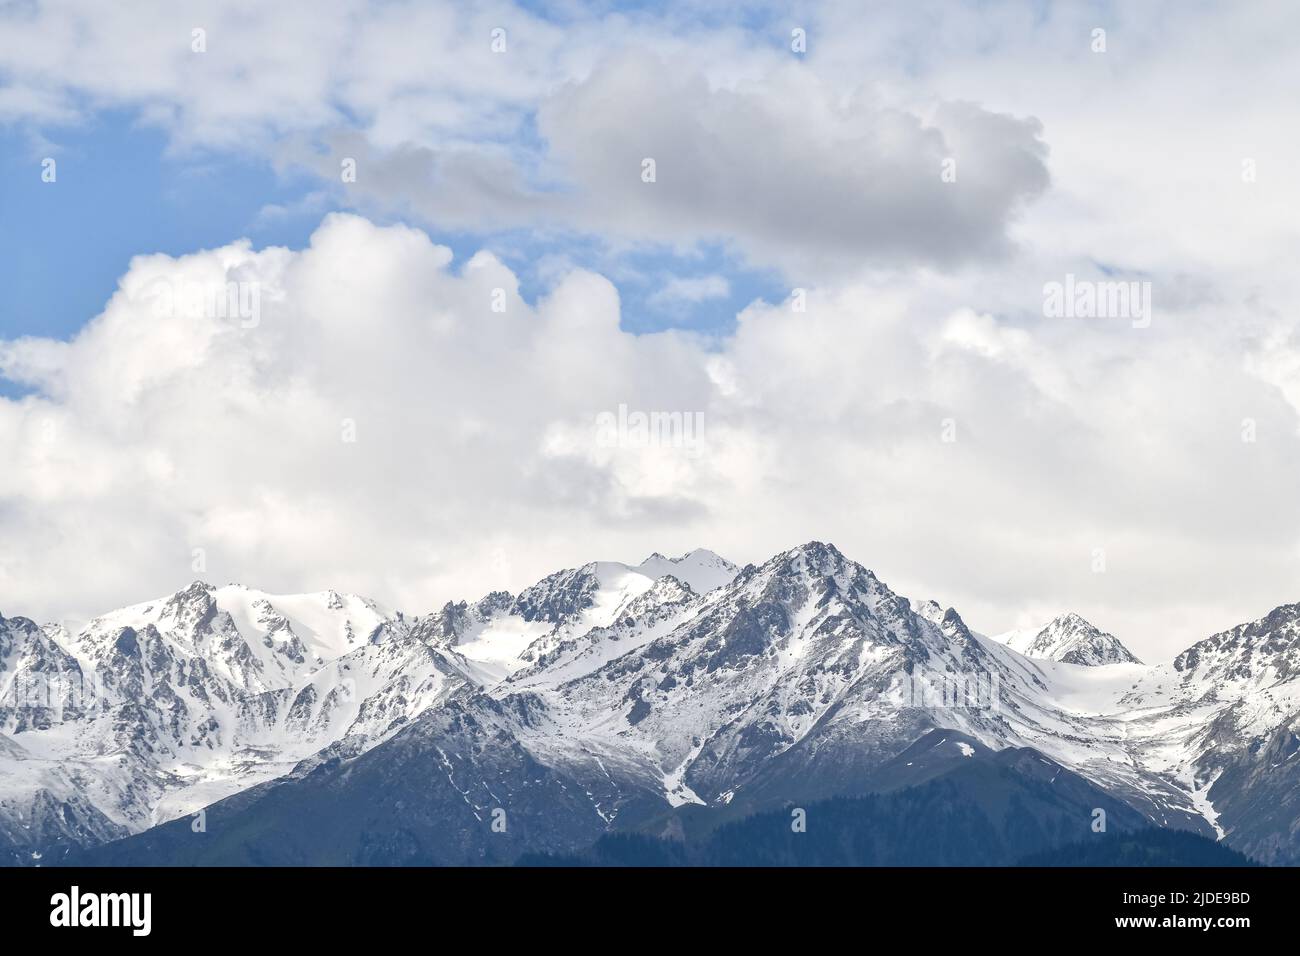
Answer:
(672, 711)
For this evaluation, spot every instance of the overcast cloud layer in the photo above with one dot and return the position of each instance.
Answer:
(407, 427)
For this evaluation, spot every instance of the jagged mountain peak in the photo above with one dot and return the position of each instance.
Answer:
(1070, 639)
(589, 594)
(815, 565)
(819, 552)
(813, 559)
(801, 604)
(563, 595)
(1069, 620)
(701, 569)
(929, 609)
(18, 623)
(1269, 645)
(195, 590)
(702, 553)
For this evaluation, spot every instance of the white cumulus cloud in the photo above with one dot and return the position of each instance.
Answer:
(409, 428)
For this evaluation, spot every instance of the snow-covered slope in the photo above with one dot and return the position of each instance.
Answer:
(629, 691)
(702, 570)
(159, 709)
(1071, 639)
(501, 634)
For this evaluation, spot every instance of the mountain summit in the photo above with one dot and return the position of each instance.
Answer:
(1071, 640)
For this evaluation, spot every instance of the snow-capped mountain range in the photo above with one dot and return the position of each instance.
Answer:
(610, 696)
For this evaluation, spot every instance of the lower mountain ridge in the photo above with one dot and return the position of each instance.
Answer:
(666, 704)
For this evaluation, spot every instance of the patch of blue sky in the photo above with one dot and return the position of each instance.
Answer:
(700, 289)
(120, 192)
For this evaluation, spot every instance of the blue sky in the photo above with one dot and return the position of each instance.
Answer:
(117, 194)
(122, 190)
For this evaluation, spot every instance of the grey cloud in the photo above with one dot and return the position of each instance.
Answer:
(782, 170)
(787, 171)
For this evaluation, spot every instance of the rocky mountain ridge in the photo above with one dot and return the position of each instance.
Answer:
(636, 696)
